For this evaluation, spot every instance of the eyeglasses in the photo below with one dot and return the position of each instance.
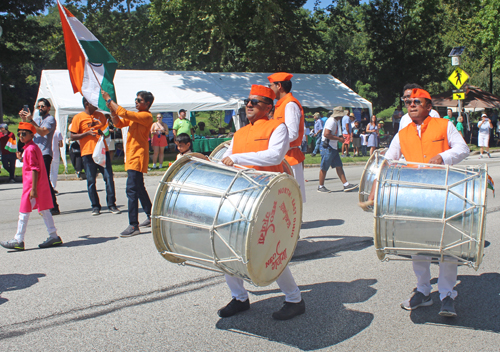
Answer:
(40, 106)
(138, 100)
(409, 102)
(253, 101)
(23, 134)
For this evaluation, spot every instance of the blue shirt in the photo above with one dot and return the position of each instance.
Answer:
(323, 119)
(45, 142)
(318, 126)
(346, 125)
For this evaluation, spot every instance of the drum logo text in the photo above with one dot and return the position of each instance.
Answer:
(277, 258)
(267, 224)
(285, 213)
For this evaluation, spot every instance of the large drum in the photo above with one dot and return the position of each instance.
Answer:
(219, 151)
(370, 173)
(241, 222)
(432, 210)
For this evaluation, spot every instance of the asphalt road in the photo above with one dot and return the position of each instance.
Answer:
(100, 292)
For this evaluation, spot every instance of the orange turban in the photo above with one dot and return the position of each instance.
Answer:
(26, 126)
(420, 93)
(262, 91)
(279, 77)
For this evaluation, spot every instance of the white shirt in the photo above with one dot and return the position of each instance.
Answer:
(274, 155)
(406, 119)
(292, 120)
(458, 148)
(332, 125)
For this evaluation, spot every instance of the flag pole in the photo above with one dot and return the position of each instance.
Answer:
(99, 83)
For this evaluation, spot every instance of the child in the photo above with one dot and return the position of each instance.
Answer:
(36, 192)
(381, 132)
(356, 138)
(184, 144)
(364, 141)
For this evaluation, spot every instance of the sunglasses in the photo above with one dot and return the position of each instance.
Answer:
(40, 106)
(139, 100)
(409, 102)
(253, 101)
(22, 134)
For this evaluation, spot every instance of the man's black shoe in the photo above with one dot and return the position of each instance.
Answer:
(55, 211)
(233, 308)
(290, 310)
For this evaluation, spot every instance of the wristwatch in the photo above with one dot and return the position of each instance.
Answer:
(108, 101)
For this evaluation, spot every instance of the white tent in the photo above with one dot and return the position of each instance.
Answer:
(194, 91)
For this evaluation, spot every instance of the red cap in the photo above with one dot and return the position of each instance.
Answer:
(26, 126)
(262, 91)
(420, 93)
(280, 77)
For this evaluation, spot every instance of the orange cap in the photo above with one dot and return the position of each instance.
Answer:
(280, 77)
(262, 91)
(420, 93)
(26, 126)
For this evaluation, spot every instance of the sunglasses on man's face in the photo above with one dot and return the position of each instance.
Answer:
(40, 106)
(409, 102)
(22, 134)
(253, 101)
(138, 100)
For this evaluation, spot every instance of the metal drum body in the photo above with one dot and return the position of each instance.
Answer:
(238, 221)
(432, 210)
(370, 173)
(219, 151)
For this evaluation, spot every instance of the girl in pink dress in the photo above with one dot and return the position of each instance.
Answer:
(36, 192)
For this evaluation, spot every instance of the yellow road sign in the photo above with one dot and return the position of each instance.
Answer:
(458, 96)
(458, 77)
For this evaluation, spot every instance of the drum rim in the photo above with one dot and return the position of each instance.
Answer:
(218, 148)
(368, 166)
(382, 255)
(251, 233)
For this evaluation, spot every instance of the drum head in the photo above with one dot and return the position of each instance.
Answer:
(370, 172)
(218, 152)
(275, 231)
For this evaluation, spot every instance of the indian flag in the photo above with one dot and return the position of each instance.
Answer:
(90, 65)
(11, 145)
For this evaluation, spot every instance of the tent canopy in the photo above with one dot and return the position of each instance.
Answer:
(198, 90)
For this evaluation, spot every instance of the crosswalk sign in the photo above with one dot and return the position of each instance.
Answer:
(458, 77)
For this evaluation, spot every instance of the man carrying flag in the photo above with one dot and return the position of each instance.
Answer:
(91, 67)
(8, 150)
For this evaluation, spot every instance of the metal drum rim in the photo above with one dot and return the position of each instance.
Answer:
(369, 162)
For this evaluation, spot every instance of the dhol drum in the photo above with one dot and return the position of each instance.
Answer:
(432, 210)
(241, 222)
(219, 151)
(370, 173)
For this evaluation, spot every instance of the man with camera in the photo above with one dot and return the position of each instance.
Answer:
(86, 127)
(329, 154)
(45, 125)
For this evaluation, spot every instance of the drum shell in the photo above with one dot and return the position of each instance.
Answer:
(198, 210)
(219, 151)
(370, 174)
(414, 213)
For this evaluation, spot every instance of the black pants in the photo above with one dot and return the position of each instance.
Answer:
(47, 159)
(135, 192)
(9, 164)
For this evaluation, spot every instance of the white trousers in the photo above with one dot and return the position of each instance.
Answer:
(298, 173)
(22, 224)
(285, 282)
(54, 170)
(446, 281)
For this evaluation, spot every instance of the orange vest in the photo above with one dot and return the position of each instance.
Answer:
(255, 138)
(433, 140)
(294, 156)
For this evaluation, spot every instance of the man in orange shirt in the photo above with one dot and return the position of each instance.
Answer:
(86, 127)
(261, 145)
(137, 155)
(289, 111)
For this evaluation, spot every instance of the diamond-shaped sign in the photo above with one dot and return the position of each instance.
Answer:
(458, 77)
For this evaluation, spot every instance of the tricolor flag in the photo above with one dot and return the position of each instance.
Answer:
(491, 185)
(89, 63)
(11, 145)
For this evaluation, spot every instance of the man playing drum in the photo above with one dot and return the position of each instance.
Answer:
(261, 145)
(433, 141)
(289, 111)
